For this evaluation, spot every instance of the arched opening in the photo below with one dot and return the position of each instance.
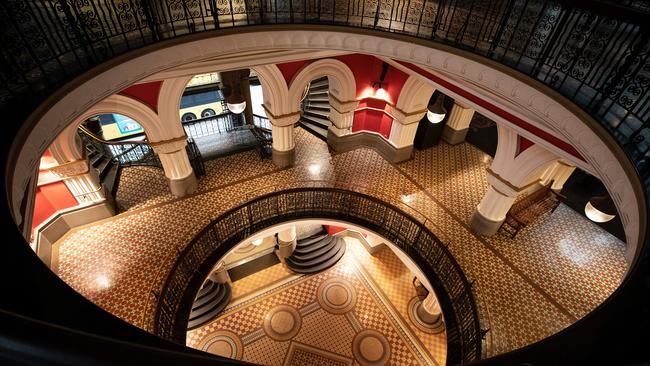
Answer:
(220, 112)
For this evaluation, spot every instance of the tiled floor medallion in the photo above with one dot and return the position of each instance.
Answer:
(337, 296)
(371, 348)
(282, 322)
(223, 343)
(415, 319)
(304, 355)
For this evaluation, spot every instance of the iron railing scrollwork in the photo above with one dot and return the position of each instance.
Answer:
(269, 208)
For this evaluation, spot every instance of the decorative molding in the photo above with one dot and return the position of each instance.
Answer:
(71, 169)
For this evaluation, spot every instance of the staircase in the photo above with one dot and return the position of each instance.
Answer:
(210, 301)
(316, 109)
(316, 252)
(107, 169)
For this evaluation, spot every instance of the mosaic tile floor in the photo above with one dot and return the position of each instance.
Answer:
(354, 312)
(553, 273)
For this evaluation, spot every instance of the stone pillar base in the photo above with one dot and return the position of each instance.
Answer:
(183, 187)
(454, 137)
(283, 159)
(484, 226)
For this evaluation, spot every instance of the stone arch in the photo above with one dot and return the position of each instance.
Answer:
(169, 100)
(67, 147)
(341, 80)
(274, 89)
(415, 94)
(519, 169)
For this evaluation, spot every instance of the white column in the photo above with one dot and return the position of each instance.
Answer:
(405, 125)
(283, 142)
(286, 242)
(559, 173)
(457, 125)
(341, 116)
(81, 181)
(219, 273)
(430, 313)
(497, 201)
(176, 165)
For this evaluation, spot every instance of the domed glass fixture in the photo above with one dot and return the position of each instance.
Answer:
(236, 108)
(436, 112)
(600, 209)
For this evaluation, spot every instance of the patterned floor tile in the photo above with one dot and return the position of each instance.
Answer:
(553, 273)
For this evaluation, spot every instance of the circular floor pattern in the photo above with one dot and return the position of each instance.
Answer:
(413, 306)
(223, 343)
(336, 296)
(371, 348)
(282, 323)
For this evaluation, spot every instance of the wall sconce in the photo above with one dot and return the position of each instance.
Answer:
(436, 112)
(378, 86)
(600, 209)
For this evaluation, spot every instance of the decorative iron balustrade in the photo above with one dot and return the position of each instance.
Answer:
(270, 206)
(137, 153)
(596, 53)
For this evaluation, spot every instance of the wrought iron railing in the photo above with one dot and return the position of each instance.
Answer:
(274, 205)
(213, 125)
(124, 153)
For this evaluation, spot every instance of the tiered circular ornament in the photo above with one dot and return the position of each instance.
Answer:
(371, 348)
(412, 309)
(282, 323)
(336, 296)
(223, 343)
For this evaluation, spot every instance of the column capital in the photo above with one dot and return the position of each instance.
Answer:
(407, 117)
(504, 186)
(342, 106)
(70, 169)
(169, 146)
(282, 120)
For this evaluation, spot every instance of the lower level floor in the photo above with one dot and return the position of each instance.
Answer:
(552, 274)
(360, 311)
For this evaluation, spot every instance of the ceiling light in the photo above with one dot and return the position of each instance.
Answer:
(600, 209)
(236, 108)
(436, 112)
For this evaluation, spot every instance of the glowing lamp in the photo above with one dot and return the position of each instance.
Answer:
(236, 108)
(436, 112)
(600, 209)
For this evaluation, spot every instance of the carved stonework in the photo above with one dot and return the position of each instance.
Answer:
(71, 169)
(169, 146)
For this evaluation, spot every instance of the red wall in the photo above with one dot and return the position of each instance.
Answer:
(51, 198)
(331, 229)
(146, 93)
(366, 69)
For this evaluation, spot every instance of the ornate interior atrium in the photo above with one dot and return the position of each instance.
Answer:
(325, 183)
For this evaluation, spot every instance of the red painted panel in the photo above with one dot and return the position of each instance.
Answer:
(331, 229)
(146, 93)
(290, 69)
(498, 111)
(372, 120)
(51, 198)
(366, 70)
(524, 143)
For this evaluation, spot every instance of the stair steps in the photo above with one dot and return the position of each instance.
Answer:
(210, 301)
(316, 253)
(316, 109)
